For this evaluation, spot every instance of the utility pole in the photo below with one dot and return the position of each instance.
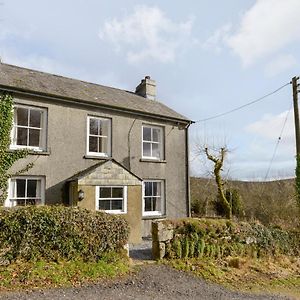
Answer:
(297, 132)
(296, 113)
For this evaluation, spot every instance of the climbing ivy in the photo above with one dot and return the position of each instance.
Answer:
(7, 158)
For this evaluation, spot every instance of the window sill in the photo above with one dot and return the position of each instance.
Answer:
(154, 217)
(97, 157)
(32, 152)
(111, 212)
(39, 152)
(162, 161)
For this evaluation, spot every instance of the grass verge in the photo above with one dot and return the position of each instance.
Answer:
(42, 274)
(280, 275)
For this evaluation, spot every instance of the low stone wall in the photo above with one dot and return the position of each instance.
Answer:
(217, 238)
(162, 234)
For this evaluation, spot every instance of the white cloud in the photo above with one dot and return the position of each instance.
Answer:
(280, 64)
(218, 38)
(147, 34)
(270, 127)
(268, 26)
(266, 156)
(264, 30)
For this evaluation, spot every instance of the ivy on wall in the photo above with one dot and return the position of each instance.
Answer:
(7, 157)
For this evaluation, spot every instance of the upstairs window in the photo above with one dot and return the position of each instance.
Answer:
(29, 128)
(24, 191)
(153, 198)
(99, 136)
(111, 199)
(152, 142)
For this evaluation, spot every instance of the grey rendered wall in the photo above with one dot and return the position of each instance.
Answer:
(66, 142)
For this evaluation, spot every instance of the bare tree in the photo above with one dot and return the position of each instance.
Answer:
(218, 161)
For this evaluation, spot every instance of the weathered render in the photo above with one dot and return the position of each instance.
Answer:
(68, 103)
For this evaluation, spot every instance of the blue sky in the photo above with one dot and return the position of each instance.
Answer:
(206, 56)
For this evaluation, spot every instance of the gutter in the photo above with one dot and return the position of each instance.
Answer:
(95, 105)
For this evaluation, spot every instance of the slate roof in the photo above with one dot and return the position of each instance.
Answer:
(50, 85)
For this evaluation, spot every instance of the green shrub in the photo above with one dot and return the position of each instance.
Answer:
(56, 232)
(234, 199)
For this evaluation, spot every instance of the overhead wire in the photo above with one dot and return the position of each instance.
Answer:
(253, 102)
(244, 105)
(278, 141)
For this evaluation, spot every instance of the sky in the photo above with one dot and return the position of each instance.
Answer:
(207, 57)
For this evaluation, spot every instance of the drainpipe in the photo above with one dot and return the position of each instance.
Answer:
(129, 145)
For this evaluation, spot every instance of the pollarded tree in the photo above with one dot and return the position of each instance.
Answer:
(218, 161)
(7, 158)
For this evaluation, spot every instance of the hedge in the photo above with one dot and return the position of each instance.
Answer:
(220, 238)
(56, 232)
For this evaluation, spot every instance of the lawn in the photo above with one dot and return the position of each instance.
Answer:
(279, 275)
(42, 274)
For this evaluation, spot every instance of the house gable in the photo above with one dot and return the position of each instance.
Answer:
(108, 173)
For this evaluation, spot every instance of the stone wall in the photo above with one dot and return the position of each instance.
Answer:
(162, 233)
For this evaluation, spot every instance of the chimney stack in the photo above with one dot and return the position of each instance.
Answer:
(147, 88)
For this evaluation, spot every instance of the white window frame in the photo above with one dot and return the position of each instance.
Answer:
(115, 211)
(161, 144)
(162, 198)
(9, 202)
(43, 130)
(109, 139)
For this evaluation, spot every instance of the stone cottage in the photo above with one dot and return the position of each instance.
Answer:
(98, 147)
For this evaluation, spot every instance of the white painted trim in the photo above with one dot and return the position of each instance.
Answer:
(125, 196)
(162, 197)
(43, 130)
(9, 203)
(109, 137)
(161, 144)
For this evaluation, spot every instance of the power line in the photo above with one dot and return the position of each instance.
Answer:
(245, 105)
(278, 141)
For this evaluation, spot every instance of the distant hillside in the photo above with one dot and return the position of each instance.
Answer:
(269, 202)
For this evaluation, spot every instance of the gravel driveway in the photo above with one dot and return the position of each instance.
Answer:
(151, 282)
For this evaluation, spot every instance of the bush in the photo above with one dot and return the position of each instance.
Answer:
(56, 232)
(235, 201)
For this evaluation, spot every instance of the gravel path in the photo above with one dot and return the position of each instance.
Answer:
(151, 282)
